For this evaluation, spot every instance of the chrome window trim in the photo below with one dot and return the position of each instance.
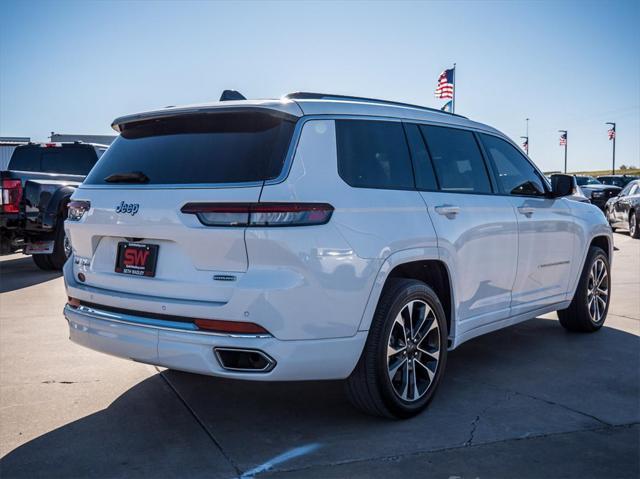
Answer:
(303, 120)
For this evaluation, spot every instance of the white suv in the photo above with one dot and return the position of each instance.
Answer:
(323, 237)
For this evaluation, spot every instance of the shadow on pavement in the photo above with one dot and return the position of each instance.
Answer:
(21, 273)
(532, 379)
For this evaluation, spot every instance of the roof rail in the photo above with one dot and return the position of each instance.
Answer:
(303, 95)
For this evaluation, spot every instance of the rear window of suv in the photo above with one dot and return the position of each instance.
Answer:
(200, 148)
(67, 159)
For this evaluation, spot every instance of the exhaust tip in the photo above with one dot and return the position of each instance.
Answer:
(244, 360)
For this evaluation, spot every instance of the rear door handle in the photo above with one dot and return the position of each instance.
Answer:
(447, 210)
(526, 210)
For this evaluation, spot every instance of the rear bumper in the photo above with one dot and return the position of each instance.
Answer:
(193, 351)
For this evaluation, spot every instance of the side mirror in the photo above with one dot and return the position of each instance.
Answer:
(562, 185)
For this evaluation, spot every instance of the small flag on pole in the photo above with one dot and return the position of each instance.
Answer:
(444, 90)
(563, 139)
(612, 133)
(447, 107)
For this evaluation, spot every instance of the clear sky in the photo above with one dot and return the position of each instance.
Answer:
(72, 67)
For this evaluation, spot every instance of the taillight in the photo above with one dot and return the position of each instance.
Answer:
(11, 196)
(260, 214)
(77, 209)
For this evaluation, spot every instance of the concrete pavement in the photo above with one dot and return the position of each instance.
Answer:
(528, 401)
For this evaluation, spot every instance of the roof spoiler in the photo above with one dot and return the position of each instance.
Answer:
(230, 95)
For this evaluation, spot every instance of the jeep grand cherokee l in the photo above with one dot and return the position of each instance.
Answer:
(323, 237)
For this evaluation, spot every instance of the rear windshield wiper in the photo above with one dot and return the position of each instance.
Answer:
(128, 177)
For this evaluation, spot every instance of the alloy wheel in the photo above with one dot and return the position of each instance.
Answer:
(413, 350)
(632, 224)
(597, 290)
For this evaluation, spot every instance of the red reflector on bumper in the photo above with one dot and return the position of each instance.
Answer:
(238, 327)
(73, 302)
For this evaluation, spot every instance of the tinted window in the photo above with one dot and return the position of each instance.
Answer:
(516, 176)
(214, 148)
(25, 158)
(611, 180)
(373, 154)
(457, 160)
(587, 180)
(627, 189)
(425, 176)
(69, 160)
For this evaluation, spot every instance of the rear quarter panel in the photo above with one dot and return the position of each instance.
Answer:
(337, 263)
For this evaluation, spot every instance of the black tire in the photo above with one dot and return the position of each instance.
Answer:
(369, 387)
(42, 261)
(577, 317)
(59, 256)
(634, 224)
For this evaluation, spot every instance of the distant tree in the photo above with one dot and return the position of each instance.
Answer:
(624, 167)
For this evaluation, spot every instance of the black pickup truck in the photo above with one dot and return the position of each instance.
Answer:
(35, 192)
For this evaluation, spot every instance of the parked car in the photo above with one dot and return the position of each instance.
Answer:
(623, 211)
(597, 192)
(323, 237)
(617, 180)
(35, 192)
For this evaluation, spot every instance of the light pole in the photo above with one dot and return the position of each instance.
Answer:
(563, 141)
(612, 136)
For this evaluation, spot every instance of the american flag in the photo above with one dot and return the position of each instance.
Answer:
(563, 139)
(612, 133)
(444, 90)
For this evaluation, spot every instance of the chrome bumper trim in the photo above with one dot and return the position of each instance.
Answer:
(152, 323)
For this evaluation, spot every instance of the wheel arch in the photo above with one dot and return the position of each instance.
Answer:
(57, 205)
(430, 269)
(603, 242)
(602, 237)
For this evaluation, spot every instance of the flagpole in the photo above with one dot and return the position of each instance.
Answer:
(613, 166)
(526, 140)
(453, 100)
(566, 141)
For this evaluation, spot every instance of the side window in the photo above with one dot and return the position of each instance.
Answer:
(516, 176)
(425, 176)
(457, 160)
(373, 154)
(626, 191)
